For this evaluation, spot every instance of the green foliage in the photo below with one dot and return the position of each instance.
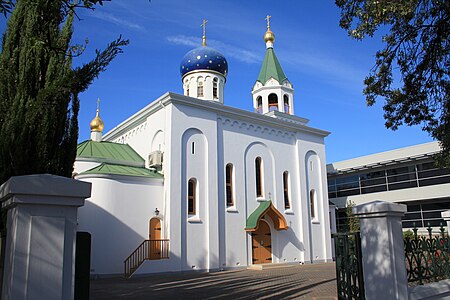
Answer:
(408, 234)
(352, 221)
(417, 48)
(6, 6)
(39, 89)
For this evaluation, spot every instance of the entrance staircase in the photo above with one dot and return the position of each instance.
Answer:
(147, 250)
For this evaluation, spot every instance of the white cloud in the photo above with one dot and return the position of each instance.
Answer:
(228, 50)
(108, 17)
(184, 40)
(330, 68)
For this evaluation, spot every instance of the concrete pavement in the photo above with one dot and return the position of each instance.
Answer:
(317, 281)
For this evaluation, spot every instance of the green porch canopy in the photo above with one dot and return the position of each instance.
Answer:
(265, 208)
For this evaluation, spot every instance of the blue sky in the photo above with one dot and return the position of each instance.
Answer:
(326, 67)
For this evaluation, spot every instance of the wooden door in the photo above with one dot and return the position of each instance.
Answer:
(154, 247)
(262, 244)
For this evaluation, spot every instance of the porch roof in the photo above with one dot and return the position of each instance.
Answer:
(266, 207)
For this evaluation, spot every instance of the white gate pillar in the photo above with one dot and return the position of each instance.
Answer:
(446, 216)
(41, 235)
(383, 256)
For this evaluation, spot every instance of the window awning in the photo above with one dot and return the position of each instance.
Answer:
(265, 208)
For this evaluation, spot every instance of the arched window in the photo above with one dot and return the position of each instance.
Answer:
(258, 177)
(259, 105)
(287, 203)
(200, 87)
(312, 201)
(215, 95)
(286, 103)
(229, 180)
(192, 196)
(186, 84)
(273, 102)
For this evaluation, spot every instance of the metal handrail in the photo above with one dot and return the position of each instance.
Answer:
(147, 250)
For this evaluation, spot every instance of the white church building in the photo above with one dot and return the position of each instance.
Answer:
(189, 183)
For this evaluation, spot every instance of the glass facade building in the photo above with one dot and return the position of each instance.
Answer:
(392, 177)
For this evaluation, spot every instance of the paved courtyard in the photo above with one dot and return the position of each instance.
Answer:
(316, 281)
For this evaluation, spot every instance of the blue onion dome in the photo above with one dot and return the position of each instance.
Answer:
(204, 58)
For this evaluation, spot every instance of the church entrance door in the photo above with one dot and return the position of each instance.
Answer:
(262, 244)
(154, 247)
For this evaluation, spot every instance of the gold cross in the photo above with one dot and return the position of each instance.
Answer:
(98, 104)
(268, 21)
(204, 27)
(204, 32)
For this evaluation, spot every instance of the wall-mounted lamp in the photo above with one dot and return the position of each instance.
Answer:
(156, 211)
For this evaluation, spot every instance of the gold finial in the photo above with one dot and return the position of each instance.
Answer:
(204, 32)
(269, 37)
(97, 123)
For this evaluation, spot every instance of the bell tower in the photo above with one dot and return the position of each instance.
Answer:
(272, 90)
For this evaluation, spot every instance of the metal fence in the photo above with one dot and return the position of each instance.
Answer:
(349, 274)
(427, 257)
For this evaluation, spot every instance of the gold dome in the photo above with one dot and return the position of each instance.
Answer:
(97, 123)
(269, 36)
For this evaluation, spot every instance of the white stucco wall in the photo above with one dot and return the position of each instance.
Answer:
(81, 166)
(215, 237)
(117, 215)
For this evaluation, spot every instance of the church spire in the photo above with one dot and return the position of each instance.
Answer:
(272, 90)
(271, 67)
(97, 125)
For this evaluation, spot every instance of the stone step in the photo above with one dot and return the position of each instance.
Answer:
(270, 266)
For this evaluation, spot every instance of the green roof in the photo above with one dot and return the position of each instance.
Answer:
(253, 219)
(271, 68)
(111, 169)
(109, 151)
(266, 207)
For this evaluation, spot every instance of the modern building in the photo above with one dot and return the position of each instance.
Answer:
(406, 175)
(189, 183)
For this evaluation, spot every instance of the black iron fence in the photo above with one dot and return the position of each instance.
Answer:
(349, 274)
(427, 257)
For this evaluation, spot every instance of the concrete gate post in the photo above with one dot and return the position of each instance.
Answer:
(446, 216)
(41, 235)
(383, 256)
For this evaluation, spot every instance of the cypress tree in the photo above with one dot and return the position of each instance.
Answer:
(39, 89)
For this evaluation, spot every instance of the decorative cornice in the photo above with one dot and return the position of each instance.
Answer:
(287, 117)
(220, 109)
(272, 87)
(243, 125)
(202, 71)
(138, 118)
